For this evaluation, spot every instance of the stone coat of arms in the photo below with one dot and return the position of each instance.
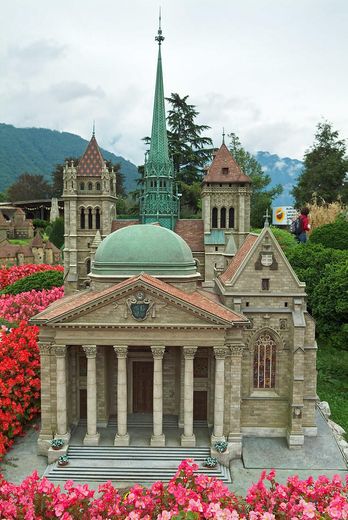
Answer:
(139, 306)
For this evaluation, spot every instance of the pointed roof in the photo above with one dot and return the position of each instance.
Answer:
(50, 245)
(159, 141)
(81, 301)
(224, 168)
(37, 240)
(91, 163)
(96, 240)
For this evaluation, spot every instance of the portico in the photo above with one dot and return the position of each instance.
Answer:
(156, 380)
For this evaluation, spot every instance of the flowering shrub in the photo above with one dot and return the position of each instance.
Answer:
(25, 305)
(188, 496)
(10, 275)
(19, 381)
(35, 282)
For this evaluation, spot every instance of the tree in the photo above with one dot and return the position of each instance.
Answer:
(325, 173)
(189, 148)
(29, 187)
(261, 199)
(56, 235)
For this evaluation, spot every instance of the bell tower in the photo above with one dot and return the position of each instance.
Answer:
(159, 201)
(89, 193)
(226, 193)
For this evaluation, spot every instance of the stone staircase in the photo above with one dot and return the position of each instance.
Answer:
(132, 464)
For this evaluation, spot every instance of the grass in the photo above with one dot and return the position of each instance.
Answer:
(20, 241)
(333, 383)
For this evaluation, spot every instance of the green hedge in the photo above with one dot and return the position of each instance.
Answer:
(334, 235)
(36, 281)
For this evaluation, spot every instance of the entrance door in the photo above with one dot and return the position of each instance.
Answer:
(200, 405)
(142, 386)
(83, 403)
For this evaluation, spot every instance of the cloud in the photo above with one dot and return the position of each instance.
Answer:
(72, 90)
(34, 57)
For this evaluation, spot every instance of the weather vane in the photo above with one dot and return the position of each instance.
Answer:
(159, 38)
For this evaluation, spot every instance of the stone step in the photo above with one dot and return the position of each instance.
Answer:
(137, 453)
(119, 474)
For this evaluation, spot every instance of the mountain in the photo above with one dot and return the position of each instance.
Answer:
(282, 170)
(38, 150)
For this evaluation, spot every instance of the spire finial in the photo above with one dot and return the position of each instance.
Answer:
(266, 223)
(93, 132)
(159, 38)
(223, 135)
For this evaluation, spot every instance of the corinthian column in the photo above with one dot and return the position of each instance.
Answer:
(158, 438)
(122, 437)
(219, 394)
(62, 416)
(188, 438)
(92, 436)
(234, 436)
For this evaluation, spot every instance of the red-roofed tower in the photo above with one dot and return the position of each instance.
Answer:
(89, 207)
(226, 192)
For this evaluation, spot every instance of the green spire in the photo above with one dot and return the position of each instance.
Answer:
(159, 141)
(159, 203)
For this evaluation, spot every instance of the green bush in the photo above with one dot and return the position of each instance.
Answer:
(36, 281)
(56, 235)
(330, 304)
(285, 239)
(332, 367)
(309, 262)
(334, 235)
(40, 223)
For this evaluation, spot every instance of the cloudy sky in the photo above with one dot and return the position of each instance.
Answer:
(268, 70)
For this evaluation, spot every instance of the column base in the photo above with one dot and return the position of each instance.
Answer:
(91, 440)
(121, 440)
(158, 440)
(235, 445)
(188, 441)
(64, 436)
(216, 438)
(44, 443)
(295, 440)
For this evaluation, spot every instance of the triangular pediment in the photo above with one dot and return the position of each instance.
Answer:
(141, 301)
(262, 258)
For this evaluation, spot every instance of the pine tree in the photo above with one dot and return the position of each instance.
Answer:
(325, 174)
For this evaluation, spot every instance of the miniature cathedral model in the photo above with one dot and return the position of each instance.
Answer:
(193, 320)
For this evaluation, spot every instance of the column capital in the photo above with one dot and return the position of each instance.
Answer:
(158, 351)
(237, 350)
(60, 351)
(189, 352)
(90, 350)
(121, 351)
(45, 347)
(220, 352)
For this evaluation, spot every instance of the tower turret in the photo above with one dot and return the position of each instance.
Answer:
(159, 201)
(89, 206)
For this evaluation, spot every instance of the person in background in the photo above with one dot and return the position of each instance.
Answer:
(305, 225)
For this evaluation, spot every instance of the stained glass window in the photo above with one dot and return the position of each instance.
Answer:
(264, 362)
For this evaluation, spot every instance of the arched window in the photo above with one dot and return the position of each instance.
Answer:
(82, 219)
(97, 218)
(88, 265)
(82, 186)
(90, 219)
(90, 186)
(97, 186)
(214, 219)
(264, 361)
(231, 218)
(223, 218)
